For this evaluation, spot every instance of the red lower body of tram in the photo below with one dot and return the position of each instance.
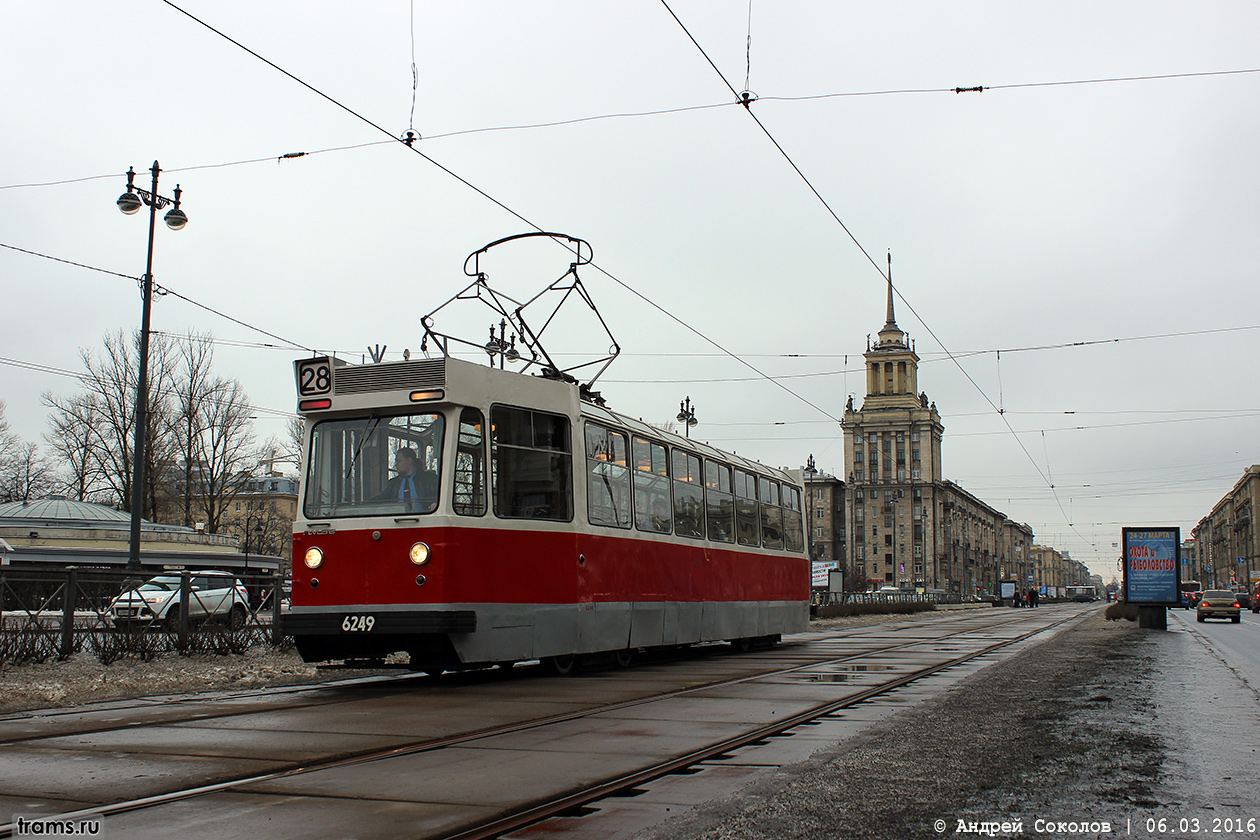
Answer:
(503, 594)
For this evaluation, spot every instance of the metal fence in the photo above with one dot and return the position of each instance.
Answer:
(55, 614)
(825, 599)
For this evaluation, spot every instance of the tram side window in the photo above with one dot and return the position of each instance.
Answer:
(652, 506)
(747, 529)
(531, 464)
(607, 477)
(719, 502)
(771, 514)
(793, 535)
(374, 466)
(688, 495)
(470, 465)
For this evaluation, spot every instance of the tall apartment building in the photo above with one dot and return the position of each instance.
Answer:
(825, 518)
(907, 526)
(1053, 569)
(1226, 539)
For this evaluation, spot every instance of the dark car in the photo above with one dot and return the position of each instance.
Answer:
(1190, 592)
(1219, 603)
(1244, 600)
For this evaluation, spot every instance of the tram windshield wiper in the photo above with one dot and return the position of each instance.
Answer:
(368, 429)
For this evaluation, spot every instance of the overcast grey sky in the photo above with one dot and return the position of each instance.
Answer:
(1103, 236)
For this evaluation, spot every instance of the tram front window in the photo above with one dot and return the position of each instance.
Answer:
(374, 466)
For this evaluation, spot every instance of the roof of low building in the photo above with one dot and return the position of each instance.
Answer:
(58, 511)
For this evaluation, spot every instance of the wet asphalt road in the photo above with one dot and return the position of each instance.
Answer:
(120, 752)
(1106, 724)
(1107, 730)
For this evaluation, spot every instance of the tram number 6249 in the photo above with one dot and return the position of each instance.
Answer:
(358, 623)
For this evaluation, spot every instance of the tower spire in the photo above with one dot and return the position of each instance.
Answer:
(891, 335)
(892, 319)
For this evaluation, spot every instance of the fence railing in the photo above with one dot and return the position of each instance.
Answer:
(110, 613)
(824, 598)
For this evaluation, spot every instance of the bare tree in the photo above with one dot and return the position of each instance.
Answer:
(12, 454)
(9, 442)
(223, 448)
(264, 529)
(71, 439)
(285, 450)
(292, 447)
(102, 419)
(27, 475)
(191, 392)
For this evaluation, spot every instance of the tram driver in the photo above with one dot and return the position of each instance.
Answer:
(414, 489)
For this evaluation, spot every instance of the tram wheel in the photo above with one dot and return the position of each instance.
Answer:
(625, 658)
(562, 665)
(742, 645)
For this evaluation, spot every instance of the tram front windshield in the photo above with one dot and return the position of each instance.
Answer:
(374, 466)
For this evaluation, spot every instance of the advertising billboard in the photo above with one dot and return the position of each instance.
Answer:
(1151, 559)
(821, 571)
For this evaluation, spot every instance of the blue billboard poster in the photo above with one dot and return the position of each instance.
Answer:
(1151, 566)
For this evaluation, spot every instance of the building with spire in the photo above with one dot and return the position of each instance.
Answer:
(907, 526)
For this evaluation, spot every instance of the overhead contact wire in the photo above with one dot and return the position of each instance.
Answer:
(845, 228)
(493, 201)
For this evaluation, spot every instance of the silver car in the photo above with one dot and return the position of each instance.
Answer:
(211, 595)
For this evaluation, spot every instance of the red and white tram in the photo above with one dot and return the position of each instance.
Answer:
(467, 515)
(521, 522)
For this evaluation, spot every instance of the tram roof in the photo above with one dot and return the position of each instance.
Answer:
(371, 386)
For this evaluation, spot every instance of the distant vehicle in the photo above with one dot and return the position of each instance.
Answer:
(889, 590)
(1219, 603)
(1082, 593)
(216, 595)
(1190, 592)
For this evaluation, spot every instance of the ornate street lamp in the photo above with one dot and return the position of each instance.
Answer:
(130, 203)
(501, 346)
(811, 470)
(687, 415)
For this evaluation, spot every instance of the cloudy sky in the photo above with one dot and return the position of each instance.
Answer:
(1092, 214)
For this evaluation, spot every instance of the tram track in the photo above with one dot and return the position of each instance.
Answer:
(560, 805)
(155, 706)
(536, 811)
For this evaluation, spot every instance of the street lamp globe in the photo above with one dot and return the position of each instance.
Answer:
(175, 219)
(129, 203)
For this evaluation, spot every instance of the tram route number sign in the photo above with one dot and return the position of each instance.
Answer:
(1151, 558)
(314, 376)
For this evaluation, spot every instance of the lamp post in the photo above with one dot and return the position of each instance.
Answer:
(258, 534)
(810, 471)
(687, 415)
(501, 346)
(130, 203)
(851, 539)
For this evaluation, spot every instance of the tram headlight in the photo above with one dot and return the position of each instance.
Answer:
(314, 558)
(419, 554)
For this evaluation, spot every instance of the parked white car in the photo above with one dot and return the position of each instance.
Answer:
(211, 595)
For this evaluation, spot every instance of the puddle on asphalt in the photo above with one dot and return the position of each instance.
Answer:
(843, 673)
